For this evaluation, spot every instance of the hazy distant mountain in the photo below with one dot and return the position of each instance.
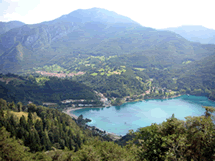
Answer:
(94, 32)
(195, 33)
(95, 15)
(6, 26)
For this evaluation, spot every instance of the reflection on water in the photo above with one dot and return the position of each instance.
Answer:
(118, 107)
(120, 119)
(200, 100)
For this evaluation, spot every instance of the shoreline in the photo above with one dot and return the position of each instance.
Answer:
(68, 112)
(141, 100)
(69, 109)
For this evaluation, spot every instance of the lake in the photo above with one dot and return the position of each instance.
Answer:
(121, 119)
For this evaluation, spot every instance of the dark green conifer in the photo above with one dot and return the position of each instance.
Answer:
(30, 119)
(19, 106)
(3, 103)
(22, 121)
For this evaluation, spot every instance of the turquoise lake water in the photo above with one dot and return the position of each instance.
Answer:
(120, 119)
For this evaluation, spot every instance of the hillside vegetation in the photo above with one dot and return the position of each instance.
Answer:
(56, 136)
(40, 89)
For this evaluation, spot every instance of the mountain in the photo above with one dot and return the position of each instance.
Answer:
(93, 14)
(6, 26)
(92, 32)
(195, 33)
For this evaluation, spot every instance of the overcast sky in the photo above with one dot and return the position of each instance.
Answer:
(150, 13)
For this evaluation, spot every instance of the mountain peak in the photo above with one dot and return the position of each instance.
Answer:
(95, 14)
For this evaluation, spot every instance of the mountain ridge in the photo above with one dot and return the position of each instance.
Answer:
(196, 33)
(50, 41)
(6, 26)
(98, 14)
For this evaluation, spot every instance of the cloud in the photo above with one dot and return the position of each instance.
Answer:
(12, 16)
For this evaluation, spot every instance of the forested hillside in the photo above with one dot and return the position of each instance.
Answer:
(198, 77)
(40, 89)
(39, 133)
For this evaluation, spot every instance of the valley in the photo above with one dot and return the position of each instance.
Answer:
(96, 85)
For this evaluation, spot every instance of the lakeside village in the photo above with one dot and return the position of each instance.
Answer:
(151, 93)
(77, 103)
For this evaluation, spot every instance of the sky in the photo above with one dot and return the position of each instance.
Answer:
(158, 14)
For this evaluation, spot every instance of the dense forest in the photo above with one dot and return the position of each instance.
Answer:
(38, 133)
(40, 89)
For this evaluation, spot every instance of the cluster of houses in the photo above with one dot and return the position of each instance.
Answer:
(103, 99)
(77, 103)
(73, 101)
(49, 104)
(59, 75)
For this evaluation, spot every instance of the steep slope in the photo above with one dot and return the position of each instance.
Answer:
(95, 32)
(195, 33)
(198, 77)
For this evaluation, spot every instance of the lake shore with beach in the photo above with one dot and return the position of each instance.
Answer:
(69, 110)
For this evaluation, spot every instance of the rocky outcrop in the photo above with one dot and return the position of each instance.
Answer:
(82, 121)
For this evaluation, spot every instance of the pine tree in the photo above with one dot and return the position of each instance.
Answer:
(12, 121)
(12, 106)
(34, 141)
(45, 141)
(3, 104)
(22, 122)
(21, 133)
(39, 127)
(12, 149)
(19, 106)
(1, 117)
(32, 107)
(30, 119)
